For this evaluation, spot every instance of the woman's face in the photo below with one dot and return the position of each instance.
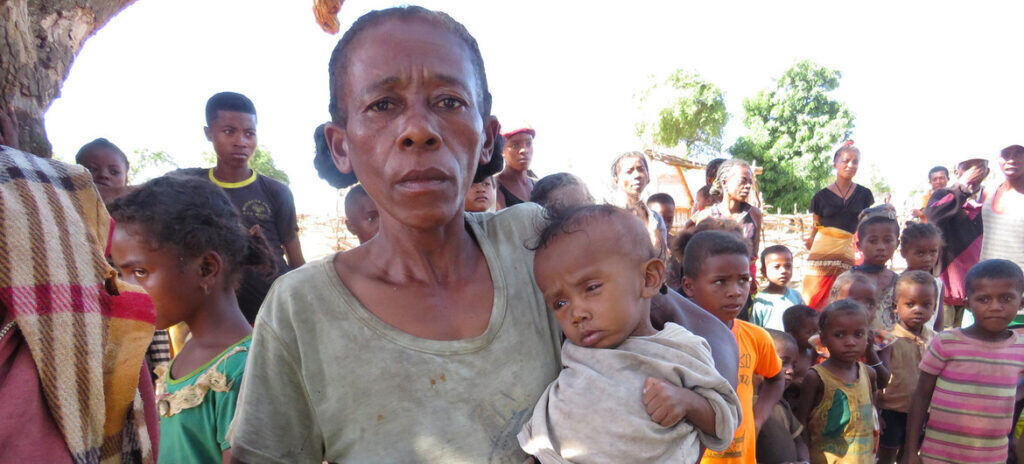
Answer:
(1012, 165)
(738, 183)
(632, 176)
(481, 196)
(414, 133)
(846, 164)
(518, 151)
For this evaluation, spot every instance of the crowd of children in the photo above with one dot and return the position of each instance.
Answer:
(568, 330)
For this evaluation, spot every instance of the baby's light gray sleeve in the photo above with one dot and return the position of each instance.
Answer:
(697, 372)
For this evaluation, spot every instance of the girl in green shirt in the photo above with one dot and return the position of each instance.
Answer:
(181, 240)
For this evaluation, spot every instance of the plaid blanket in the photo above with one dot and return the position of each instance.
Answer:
(87, 331)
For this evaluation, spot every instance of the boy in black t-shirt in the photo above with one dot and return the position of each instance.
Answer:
(265, 205)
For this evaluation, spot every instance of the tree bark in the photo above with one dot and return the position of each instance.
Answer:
(39, 40)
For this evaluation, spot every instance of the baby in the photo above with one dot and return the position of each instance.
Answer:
(627, 393)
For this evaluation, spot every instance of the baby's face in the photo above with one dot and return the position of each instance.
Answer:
(598, 295)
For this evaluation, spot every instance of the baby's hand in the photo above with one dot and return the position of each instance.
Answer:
(666, 403)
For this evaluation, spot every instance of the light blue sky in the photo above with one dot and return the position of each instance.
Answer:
(929, 82)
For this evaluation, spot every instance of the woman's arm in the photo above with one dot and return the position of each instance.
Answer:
(814, 230)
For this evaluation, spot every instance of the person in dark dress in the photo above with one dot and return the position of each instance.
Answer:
(516, 181)
(836, 209)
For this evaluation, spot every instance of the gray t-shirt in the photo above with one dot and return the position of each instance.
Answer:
(328, 380)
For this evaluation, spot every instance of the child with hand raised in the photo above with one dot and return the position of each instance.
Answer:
(916, 295)
(180, 239)
(836, 402)
(716, 275)
(613, 356)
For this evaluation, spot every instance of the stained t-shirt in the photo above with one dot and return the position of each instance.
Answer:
(265, 202)
(832, 211)
(326, 380)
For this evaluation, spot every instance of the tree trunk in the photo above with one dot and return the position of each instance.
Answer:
(38, 42)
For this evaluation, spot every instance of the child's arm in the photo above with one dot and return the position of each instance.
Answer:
(810, 396)
(939, 320)
(668, 404)
(915, 417)
(882, 373)
(771, 392)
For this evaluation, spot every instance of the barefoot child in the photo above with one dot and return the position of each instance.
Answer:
(180, 239)
(780, 440)
(921, 245)
(801, 322)
(969, 377)
(108, 166)
(836, 401)
(777, 267)
(916, 295)
(716, 275)
(590, 413)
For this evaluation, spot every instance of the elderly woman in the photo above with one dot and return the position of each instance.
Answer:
(630, 176)
(431, 342)
(732, 185)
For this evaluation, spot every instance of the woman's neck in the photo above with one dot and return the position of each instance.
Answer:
(218, 320)
(428, 256)
(513, 175)
(733, 205)
(231, 174)
(843, 182)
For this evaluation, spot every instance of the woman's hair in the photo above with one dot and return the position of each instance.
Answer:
(914, 232)
(795, 315)
(711, 243)
(723, 174)
(847, 147)
(338, 67)
(711, 170)
(549, 184)
(629, 154)
(845, 280)
(836, 308)
(678, 246)
(191, 216)
(100, 143)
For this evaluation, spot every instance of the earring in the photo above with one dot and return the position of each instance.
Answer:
(206, 289)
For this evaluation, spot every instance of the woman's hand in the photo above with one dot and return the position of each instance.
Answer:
(809, 241)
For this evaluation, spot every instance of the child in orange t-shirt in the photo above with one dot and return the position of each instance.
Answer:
(716, 274)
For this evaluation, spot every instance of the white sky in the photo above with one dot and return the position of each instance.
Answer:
(929, 82)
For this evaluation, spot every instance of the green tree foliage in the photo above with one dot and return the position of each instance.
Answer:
(793, 129)
(261, 162)
(694, 117)
(146, 164)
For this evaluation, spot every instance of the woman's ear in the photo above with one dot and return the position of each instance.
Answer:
(491, 129)
(654, 277)
(337, 140)
(211, 269)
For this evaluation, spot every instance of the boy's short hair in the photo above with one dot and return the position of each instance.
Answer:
(915, 278)
(355, 194)
(845, 280)
(774, 250)
(228, 101)
(572, 219)
(941, 169)
(678, 246)
(833, 309)
(662, 199)
(780, 337)
(793, 316)
(710, 243)
(994, 269)
(550, 183)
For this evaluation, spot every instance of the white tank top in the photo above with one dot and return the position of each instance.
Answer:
(1004, 232)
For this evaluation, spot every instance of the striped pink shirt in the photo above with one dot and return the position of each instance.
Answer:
(972, 406)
